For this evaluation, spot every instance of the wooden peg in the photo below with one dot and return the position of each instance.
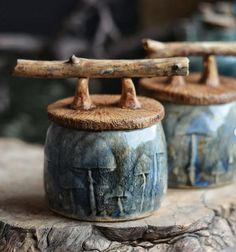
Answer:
(82, 100)
(128, 96)
(210, 76)
(176, 81)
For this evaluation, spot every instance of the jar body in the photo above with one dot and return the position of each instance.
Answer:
(105, 175)
(201, 144)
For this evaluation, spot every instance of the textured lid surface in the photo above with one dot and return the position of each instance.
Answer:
(107, 115)
(192, 92)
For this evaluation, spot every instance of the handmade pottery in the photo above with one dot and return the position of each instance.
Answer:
(200, 118)
(105, 155)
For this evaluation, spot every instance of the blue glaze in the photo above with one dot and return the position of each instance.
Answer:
(106, 175)
(201, 144)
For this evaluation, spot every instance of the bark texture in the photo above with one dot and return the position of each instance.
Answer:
(108, 113)
(173, 49)
(194, 220)
(79, 67)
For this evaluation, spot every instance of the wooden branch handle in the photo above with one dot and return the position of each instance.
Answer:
(80, 67)
(179, 49)
(210, 76)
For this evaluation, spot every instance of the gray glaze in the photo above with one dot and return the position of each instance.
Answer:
(105, 175)
(201, 144)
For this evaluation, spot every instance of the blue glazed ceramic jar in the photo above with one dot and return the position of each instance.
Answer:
(105, 155)
(202, 145)
(106, 175)
(199, 128)
(200, 116)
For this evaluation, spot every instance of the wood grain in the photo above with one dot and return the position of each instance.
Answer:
(193, 220)
(192, 92)
(79, 67)
(107, 115)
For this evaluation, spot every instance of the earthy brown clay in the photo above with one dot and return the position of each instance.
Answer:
(176, 81)
(82, 99)
(193, 92)
(107, 115)
(210, 76)
(128, 97)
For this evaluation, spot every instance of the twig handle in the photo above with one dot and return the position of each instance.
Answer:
(83, 69)
(207, 50)
(180, 49)
(91, 68)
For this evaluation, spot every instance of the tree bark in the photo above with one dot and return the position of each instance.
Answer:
(177, 49)
(79, 67)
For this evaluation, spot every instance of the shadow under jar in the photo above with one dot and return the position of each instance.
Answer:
(200, 121)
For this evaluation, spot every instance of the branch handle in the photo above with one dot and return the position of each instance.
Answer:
(91, 68)
(207, 50)
(83, 69)
(185, 49)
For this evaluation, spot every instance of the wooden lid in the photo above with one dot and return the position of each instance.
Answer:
(192, 92)
(107, 115)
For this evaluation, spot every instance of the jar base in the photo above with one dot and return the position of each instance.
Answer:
(106, 219)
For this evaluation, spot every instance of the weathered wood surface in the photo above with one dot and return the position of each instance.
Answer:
(80, 67)
(194, 220)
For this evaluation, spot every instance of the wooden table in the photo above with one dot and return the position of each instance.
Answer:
(188, 221)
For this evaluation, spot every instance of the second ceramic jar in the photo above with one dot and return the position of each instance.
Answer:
(200, 121)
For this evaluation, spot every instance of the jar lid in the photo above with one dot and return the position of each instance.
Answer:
(107, 115)
(104, 112)
(196, 89)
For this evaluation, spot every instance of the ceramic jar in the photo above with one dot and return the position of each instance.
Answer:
(200, 115)
(200, 137)
(201, 144)
(105, 175)
(105, 155)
